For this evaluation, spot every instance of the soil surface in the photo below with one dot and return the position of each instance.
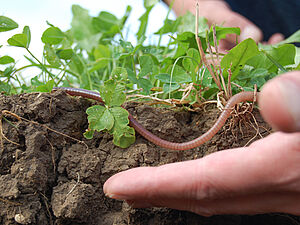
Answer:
(46, 177)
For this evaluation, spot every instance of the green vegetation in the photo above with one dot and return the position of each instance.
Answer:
(94, 54)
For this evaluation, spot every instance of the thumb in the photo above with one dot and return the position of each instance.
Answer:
(279, 102)
(219, 12)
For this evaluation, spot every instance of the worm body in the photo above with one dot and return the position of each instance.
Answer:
(238, 98)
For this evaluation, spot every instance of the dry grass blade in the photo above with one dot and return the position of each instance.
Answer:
(202, 53)
(73, 188)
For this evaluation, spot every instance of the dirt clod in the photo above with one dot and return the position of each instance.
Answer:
(49, 178)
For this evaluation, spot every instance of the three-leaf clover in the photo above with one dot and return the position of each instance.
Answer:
(111, 118)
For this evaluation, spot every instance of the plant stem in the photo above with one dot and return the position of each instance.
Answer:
(47, 66)
(202, 54)
(42, 65)
(133, 65)
(167, 16)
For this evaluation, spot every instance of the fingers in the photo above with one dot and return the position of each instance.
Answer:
(219, 13)
(279, 102)
(257, 203)
(219, 183)
(275, 38)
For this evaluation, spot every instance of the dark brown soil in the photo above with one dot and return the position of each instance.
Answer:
(49, 178)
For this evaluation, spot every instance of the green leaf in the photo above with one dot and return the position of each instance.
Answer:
(26, 31)
(170, 87)
(105, 22)
(113, 93)
(65, 54)
(88, 134)
(5, 87)
(7, 24)
(18, 40)
(282, 56)
(51, 56)
(124, 139)
(210, 92)
(150, 3)
(102, 51)
(127, 46)
(52, 36)
(76, 64)
(132, 76)
(180, 75)
(259, 72)
(238, 56)
(6, 60)
(164, 77)
(144, 22)
(294, 38)
(120, 117)
(125, 16)
(99, 64)
(102, 56)
(182, 48)
(124, 135)
(119, 73)
(81, 25)
(145, 84)
(146, 64)
(221, 33)
(187, 23)
(35, 81)
(170, 26)
(82, 29)
(8, 71)
(100, 118)
(191, 62)
(185, 41)
(45, 87)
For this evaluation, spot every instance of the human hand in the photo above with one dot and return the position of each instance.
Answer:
(261, 178)
(219, 12)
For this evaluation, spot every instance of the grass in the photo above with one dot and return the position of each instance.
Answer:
(93, 54)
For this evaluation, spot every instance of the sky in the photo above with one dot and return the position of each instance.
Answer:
(35, 13)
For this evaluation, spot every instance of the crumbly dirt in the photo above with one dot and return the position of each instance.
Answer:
(49, 178)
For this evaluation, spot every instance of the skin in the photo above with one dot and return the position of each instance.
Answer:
(218, 12)
(261, 178)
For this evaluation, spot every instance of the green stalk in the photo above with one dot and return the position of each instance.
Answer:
(167, 16)
(47, 66)
(42, 65)
(133, 65)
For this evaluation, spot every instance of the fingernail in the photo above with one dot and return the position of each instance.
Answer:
(251, 32)
(291, 93)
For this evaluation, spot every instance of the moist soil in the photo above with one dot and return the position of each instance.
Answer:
(46, 177)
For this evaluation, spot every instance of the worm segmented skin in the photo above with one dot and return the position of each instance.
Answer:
(238, 98)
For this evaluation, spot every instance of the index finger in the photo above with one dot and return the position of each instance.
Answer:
(222, 174)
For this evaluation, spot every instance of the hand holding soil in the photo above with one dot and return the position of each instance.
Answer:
(261, 178)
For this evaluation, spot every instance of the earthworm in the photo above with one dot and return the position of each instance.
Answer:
(238, 98)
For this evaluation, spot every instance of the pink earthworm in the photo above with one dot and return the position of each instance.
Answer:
(238, 98)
